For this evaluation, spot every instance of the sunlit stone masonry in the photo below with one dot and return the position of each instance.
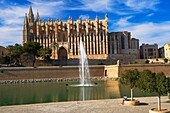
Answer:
(64, 38)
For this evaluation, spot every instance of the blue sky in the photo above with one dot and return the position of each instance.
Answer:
(147, 20)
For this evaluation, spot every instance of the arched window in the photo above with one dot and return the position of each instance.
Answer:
(101, 25)
(92, 43)
(82, 37)
(92, 26)
(75, 26)
(113, 49)
(116, 38)
(84, 26)
(91, 36)
(65, 27)
(101, 36)
(64, 38)
(122, 42)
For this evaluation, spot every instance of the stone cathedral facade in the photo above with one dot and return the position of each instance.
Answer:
(64, 37)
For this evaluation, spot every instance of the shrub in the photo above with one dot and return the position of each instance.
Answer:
(136, 62)
(165, 60)
(147, 62)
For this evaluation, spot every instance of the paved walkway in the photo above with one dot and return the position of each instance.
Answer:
(91, 106)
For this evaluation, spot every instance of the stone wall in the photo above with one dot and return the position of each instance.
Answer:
(153, 67)
(47, 72)
(111, 71)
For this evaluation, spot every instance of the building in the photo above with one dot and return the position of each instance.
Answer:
(161, 52)
(3, 51)
(122, 46)
(167, 51)
(64, 37)
(148, 51)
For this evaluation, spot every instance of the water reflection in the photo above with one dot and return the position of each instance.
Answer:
(12, 94)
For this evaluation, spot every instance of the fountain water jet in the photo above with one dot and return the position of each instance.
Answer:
(84, 73)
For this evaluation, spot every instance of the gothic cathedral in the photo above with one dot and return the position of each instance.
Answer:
(64, 37)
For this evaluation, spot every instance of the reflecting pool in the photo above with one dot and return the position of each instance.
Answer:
(29, 93)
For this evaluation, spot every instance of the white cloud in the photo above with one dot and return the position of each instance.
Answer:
(141, 4)
(15, 14)
(120, 7)
(10, 35)
(12, 15)
(12, 18)
(83, 17)
(94, 5)
(47, 8)
(124, 21)
(151, 14)
(149, 32)
(2, 1)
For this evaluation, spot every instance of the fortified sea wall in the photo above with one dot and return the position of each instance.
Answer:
(20, 73)
(116, 70)
(153, 67)
(72, 72)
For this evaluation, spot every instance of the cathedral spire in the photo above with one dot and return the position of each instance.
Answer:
(97, 18)
(30, 11)
(37, 16)
(25, 29)
(106, 17)
(31, 15)
(25, 19)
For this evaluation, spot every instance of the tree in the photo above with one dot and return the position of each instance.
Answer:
(165, 60)
(15, 53)
(18, 51)
(129, 77)
(32, 49)
(10, 50)
(153, 82)
(45, 53)
(6, 59)
(168, 86)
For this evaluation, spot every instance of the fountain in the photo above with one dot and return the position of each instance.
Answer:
(84, 73)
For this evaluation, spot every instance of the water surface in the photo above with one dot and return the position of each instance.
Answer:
(29, 93)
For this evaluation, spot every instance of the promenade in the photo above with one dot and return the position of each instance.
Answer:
(90, 106)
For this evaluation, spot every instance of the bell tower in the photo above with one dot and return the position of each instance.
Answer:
(25, 30)
(31, 30)
(30, 16)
